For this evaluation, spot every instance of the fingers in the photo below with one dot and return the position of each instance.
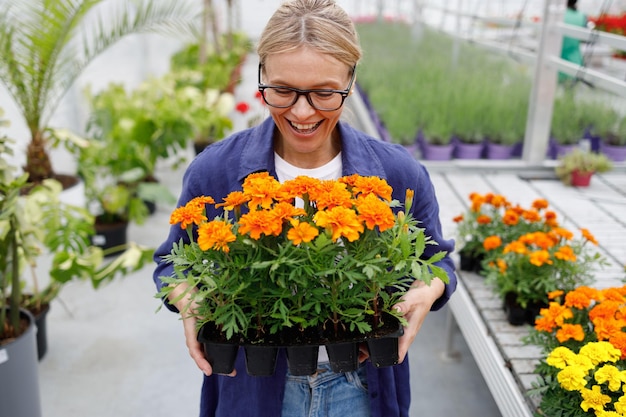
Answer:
(364, 352)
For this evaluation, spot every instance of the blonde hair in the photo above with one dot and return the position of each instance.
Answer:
(318, 24)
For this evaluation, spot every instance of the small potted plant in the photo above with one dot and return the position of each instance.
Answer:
(272, 275)
(577, 167)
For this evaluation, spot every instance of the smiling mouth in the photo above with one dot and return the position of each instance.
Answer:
(305, 129)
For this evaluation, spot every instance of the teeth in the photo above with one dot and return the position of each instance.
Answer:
(304, 127)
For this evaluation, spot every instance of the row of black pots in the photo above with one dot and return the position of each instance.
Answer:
(517, 315)
(470, 262)
(261, 358)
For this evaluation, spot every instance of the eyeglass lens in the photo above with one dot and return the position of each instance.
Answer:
(286, 97)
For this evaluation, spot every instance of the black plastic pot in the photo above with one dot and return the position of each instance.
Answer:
(384, 350)
(302, 360)
(343, 357)
(516, 315)
(110, 235)
(261, 360)
(221, 356)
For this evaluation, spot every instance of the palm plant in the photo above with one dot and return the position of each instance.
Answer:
(46, 44)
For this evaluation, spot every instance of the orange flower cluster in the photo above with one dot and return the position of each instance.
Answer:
(344, 208)
(583, 315)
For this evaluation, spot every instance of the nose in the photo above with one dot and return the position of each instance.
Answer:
(301, 108)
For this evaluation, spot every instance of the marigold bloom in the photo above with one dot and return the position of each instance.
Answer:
(261, 190)
(332, 194)
(510, 218)
(216, 235)
(550, 219)
(604, 310)
(555, 294)
(502, 266)
(301, 232)
(372, 185)
(562, 232)
(560, 357)
(611, 375)
(285, 211)
(492, 242)
(516, 247)
(572, 378)
(301, 186)
(540, 204)
(593, 398)
(605, 328)
(599, 352)
(341, 221)
(531, 216)
(577, 299)
(374, 212)
(257, 223)
(620, 407)
(565, 253)
(187, 215)
(483, 219)
(477, 202)
(233, 200)
(587, 235)
(540, 257)
(498, 200)
(619, 341)
(458, 219)
(569, 332)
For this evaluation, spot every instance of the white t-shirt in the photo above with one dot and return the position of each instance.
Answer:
(330, 171)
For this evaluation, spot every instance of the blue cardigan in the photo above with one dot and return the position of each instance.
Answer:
(220, 169)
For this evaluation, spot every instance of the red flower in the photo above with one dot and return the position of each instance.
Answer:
(242, 107)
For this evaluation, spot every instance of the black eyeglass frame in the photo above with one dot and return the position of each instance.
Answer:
(306, 93)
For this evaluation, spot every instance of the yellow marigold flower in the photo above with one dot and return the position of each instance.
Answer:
(257, 223)
(570, 331)
(593, 398)
(620, 405)
(540, 257)
(341, 221)
(599, 352)
(492, 242)
(190, 213)
(510, 218)
(560, 357)
(261, 190)
(301, 232)
(572, 378)
(374, 212)
(605, 413)
(216, 235)
(587, 235)
(233, 200)
(332, 194)
(565, 253)
(611, 375)
(372, 185)
(540, 203)
(483, 219)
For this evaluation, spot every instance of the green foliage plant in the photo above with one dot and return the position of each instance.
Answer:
(583, 161)
(301, 270)
(46, 45)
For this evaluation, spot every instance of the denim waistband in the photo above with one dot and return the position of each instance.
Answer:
(323, 374)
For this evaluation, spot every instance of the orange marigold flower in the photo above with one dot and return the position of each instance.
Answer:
(570, 331)
(606, 328)
(257, 223)
(458, 219)
(562, 233)
(577, 299)
(332, 194)
(233, 200)
(587, 235)
(540, 204)
(604, 310)
(190, 213)
(492, 242)
(510, 218)
(552, 317)
(555, 294)
(284, 211)
(565, 253)
(531, 215)
(261, 190)
(216, 234)
(502, 266)
(374, 212)
(542, 240)
(372, 185)
(340, 221)
(550, 218)
(614, 294)
(483, 219)
(499, 200)
(477, 202)
(301, 232)
(202, 200)
(540, 257)
(300, 186)
(517, 247)
(619, 341)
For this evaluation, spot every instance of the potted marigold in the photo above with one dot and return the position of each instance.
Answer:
(525, 270)
(324, 272)
(491, 221)
(581, 334)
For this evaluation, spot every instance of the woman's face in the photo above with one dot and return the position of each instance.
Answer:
(306, 135)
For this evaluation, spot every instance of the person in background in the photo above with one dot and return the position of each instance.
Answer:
(570, 49)
(309, 54)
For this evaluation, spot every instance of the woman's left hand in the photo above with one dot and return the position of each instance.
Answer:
(415, 305)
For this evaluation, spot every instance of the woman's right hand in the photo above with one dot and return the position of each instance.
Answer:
(196, 350)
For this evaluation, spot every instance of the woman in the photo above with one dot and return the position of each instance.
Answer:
(309, 46)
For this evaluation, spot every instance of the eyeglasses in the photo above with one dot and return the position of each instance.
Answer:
(320, 99)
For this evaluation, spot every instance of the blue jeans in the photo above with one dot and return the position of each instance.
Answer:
(327, 394)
